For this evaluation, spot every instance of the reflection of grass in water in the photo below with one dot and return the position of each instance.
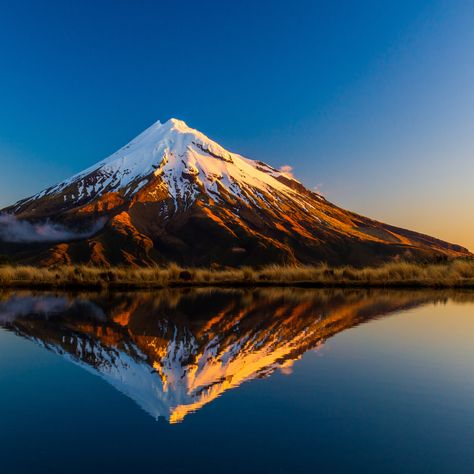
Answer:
(455, 273)
(237, 334)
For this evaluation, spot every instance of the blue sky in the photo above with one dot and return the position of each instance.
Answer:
(370, 101)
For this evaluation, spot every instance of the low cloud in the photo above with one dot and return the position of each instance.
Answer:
(22, 231)
(288, 170)
(46, 306)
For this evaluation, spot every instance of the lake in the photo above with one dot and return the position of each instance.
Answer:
(237, 381)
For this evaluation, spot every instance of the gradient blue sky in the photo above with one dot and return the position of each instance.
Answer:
(370, 101)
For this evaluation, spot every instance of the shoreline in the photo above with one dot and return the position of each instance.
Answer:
(396, 285)
(456, 274)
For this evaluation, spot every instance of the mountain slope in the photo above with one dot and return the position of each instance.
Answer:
(172, 194)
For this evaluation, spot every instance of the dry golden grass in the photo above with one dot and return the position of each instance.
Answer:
(456, 273)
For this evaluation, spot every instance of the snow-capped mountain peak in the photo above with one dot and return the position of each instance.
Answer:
(188, 164)
(174, 194)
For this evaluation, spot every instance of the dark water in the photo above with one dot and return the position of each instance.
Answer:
(264, 381)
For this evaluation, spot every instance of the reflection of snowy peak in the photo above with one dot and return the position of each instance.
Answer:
(171, 363)
(173, 194)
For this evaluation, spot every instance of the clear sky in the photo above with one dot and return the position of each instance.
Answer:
(372, 102)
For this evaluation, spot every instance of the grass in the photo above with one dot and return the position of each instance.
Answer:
(453, 274)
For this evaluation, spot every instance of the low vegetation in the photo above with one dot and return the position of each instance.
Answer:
(452, 274)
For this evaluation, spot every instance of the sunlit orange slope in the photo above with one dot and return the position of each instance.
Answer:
(172, 194)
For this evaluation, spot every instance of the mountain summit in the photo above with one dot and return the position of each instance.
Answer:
(173, 194)
(183, 164)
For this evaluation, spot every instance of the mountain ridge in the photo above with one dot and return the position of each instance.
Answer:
(173, 194)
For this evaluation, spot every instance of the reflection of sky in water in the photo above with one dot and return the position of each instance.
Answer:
(393, 395)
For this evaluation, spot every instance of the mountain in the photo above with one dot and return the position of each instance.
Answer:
(173, 194)
(173, 352)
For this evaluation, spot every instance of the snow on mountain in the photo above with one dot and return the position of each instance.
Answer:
(174, 195)
(188, 162)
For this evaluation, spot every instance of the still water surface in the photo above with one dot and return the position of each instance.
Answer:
(237, 381)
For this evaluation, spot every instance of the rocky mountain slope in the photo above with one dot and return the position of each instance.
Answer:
(172, 194)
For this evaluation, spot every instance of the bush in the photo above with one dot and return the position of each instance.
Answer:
(185, 275)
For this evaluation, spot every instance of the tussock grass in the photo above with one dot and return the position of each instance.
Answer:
(455, 273)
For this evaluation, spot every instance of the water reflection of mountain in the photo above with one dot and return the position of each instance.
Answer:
(174, 351)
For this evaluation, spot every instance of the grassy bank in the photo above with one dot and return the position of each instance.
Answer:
(454, 274)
